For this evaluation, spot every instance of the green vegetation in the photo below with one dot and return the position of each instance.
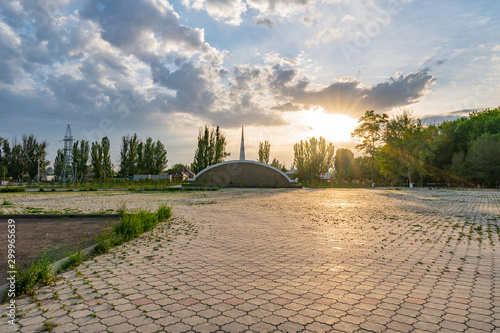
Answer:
(311, 158)
(38, 272)
(264, 152)
(211, 149)
(130, 227)
(401, 150)
(12, 189)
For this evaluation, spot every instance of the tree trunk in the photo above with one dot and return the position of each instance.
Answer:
(410, 183)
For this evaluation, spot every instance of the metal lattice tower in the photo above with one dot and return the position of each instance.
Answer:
(68, 152)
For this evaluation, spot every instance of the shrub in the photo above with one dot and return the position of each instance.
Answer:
(39, 272)
(164, 212)
(12, 189)
(75, 258)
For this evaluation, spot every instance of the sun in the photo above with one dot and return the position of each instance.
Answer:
(333, 127)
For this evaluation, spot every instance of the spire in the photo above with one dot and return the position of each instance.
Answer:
(242, 149)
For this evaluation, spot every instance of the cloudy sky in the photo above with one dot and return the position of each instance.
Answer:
(285, 69)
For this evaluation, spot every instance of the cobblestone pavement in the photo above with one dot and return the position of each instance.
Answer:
(292, 260)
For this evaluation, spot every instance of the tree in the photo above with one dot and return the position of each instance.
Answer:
(406, 143)
(264, 151)
(370, 132)
(107, 166)
(483, 159)
(96, 160)
(313, 157)
(211, 149)
(276, 163)
(129, 155)
(344, 164)
(59, 163)
(159, 158)
(178, 167)
(81, 151)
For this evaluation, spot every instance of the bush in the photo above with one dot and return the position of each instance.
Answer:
(39, 272)
(12, 189)
(75, 258)
(164, 212)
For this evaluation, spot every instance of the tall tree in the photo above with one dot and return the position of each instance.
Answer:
(264, 151)
(148, 156)
(370, 132)
(105, 151)
(129, 155)
(313, 157)
(406, 141)
(96, 160)
(159, 158)
(483, 160)
(211, 149)
(81, 151)
(59, 163)
(344, 164)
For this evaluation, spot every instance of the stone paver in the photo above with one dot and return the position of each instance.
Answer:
(305, 260)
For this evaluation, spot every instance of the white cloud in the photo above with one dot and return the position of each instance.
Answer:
(227, 11)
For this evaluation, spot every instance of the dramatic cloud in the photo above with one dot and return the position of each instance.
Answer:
(227, 11)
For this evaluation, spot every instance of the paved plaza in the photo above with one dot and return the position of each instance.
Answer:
(295, 260)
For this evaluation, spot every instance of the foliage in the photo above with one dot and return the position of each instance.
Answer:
(264, 151)
(178, 167)
(23, 157)
(211, 149)
(483, 159)
(370, 132)
(276, 163)
(81, 153)
(12, 189)
(344, 165)
(75, 258)
(39, 272)
(313, 157)
(139, 157)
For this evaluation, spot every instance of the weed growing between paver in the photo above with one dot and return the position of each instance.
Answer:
(130, 227)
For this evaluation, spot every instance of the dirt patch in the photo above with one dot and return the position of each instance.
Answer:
(57, 236)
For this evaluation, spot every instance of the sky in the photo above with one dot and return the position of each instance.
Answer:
(287, 70)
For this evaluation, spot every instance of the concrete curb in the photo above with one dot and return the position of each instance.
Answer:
(24, 216)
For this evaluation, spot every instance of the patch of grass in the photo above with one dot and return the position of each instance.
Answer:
(6, 203)
(12, 189)
(75, 258)
(38, 272)
(48, 326)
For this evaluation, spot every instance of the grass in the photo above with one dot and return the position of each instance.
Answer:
(48, 326)
(130, 227)
(38, 272)
(12, 189)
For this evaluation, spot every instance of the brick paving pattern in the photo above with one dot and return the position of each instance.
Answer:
(307, 260)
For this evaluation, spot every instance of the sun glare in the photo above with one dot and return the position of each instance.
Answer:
(333, 127)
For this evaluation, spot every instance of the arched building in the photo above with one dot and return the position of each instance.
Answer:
(241, 173)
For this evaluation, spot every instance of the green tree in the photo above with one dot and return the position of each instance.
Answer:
(483, 159)
(370, 132)
(178, 167)
(264, 151)
(105, 151)
(313, 157)
(276, 163)
(406, 143)
(344, 165)
(59, 163)
(211, 149)
(81, 153)
(159, 158)
(96, 160)
(33, 155)
(129, 155)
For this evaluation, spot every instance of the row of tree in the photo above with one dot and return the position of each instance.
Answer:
(23, 158)
(401, 149)
(137, 157)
